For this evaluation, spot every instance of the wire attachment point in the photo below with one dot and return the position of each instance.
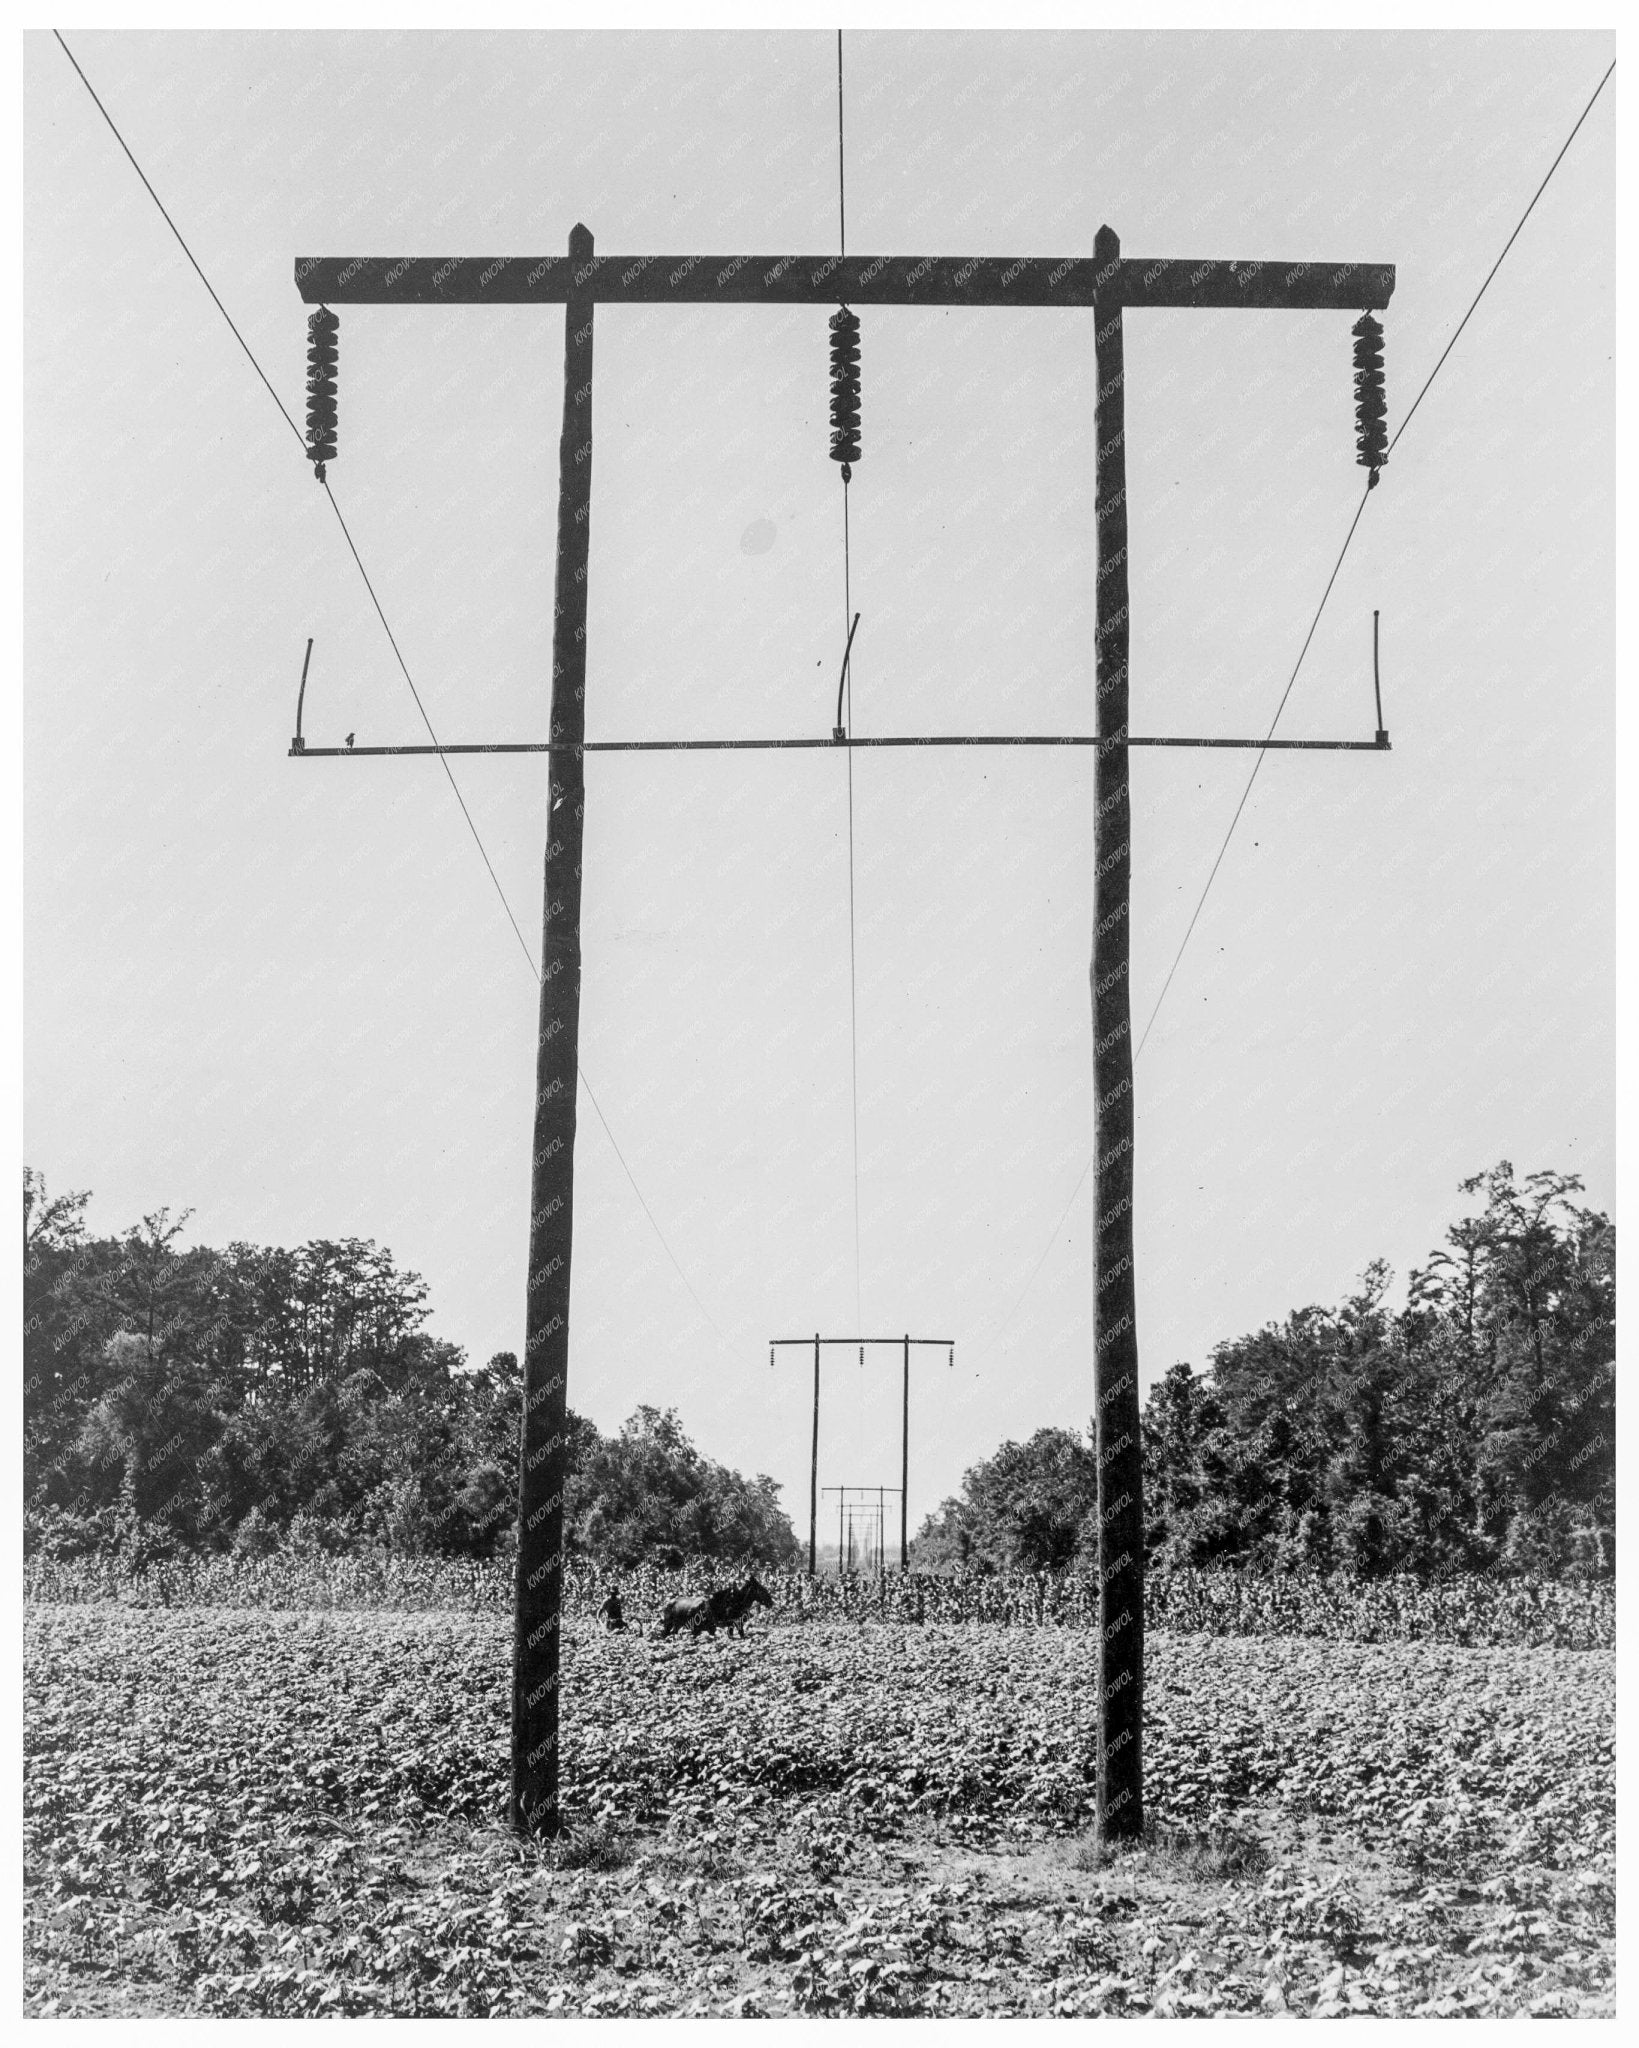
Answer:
(1377, 686)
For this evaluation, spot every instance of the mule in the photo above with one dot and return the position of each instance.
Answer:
(705, 1613)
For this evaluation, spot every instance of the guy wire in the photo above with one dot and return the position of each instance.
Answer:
(391, 639)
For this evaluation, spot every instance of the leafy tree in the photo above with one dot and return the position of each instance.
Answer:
(54, 1241)
(647, 1491)
(1031, 1506)
(145, 1433)
(1536, 1284)
(1182, 1412)
(260, 1394)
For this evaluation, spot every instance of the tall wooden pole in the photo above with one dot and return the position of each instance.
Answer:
(813, 1474)
(543, 1451)
(1115, 1335)
(905, 1466)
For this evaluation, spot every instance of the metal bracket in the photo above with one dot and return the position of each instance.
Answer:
(1377, 683)
(839, 731)
(298, 745)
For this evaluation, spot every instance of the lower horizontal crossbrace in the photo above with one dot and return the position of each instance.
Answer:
(1378, 745)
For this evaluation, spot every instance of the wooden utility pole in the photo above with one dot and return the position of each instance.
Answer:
(543, 1446)
(1115, 1334)
(1107, 282)
(905, 1466)
(813, 1472)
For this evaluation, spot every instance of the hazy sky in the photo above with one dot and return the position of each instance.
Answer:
(285, 992)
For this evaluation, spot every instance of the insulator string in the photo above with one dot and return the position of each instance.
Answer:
(845, 443)
(1371, 411)
(323, 329)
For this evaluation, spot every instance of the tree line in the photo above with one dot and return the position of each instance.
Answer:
(1471, 1429)
(254, 1397)
(191, 1399)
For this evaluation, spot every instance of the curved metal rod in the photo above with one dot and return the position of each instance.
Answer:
(837, 730)
(298, 745)
(1377, 688)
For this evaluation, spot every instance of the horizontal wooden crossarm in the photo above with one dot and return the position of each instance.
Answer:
(1021, 281)
(1029, 739)
(939, 1343)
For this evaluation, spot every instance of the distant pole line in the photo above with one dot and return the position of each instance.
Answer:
(878, 1519)
(903, 1344)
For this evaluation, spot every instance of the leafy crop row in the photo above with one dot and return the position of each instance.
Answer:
(1489, 1610)
(292, 1813)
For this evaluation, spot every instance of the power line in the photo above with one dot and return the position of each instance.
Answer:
(842, 198)
(1491, 273)
(1256, 765)
(250, 356)
(175, 230)
(636, 1190)
(1053, 1238)
(1354, 523)
(392, 641)
(1291, 680)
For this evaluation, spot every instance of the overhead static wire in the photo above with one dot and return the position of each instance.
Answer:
(1001, 1327)
(392, 642)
